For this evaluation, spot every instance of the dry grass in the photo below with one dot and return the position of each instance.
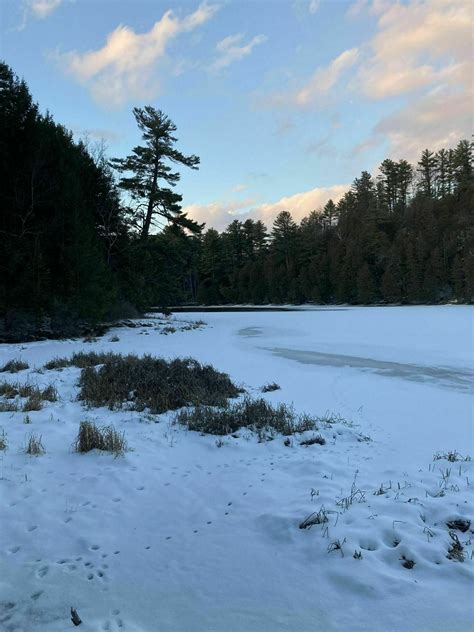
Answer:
(270, 387)
(14, 366)
(34, 395)
(451, 456)
(256, 414)
(316, 439)
(80, 360)
(9, 407)
(34, 445)
(154, 384)
(106, 438)
(456, 550)
(3, 440)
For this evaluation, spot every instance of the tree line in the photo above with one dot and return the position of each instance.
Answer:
(405, 236)
(85, 237)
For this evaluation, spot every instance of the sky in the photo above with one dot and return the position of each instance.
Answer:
(285, 101)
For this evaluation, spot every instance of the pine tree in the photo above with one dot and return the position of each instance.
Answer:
(149, 165)
(427, 170)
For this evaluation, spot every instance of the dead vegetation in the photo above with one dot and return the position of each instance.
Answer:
(315, 440)
(105, 438)
(257, 415)
(456, 549)
(14, 366)
(14, 392)
(270, 387)
(154, 384)
(34, 445)
(452, 456)
(80, 359)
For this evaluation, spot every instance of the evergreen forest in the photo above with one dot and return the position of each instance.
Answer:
(85, 237)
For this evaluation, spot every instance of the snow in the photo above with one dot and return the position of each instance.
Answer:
(180, 534)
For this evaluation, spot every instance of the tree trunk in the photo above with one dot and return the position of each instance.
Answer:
(149, 211)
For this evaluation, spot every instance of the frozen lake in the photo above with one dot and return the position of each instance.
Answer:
(184, 533)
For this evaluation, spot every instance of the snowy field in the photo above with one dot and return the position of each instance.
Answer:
(184, 534)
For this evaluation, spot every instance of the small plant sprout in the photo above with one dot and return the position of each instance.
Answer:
(357, 555)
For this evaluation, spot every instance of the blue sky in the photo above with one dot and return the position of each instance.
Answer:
(284, 101)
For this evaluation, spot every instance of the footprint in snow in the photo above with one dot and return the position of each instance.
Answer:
(33, 527)
(35, 596)
(41, 572)
(14, 549)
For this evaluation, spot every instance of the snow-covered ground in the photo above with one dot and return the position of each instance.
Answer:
(182, 535)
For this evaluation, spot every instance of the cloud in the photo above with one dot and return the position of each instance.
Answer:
(219, 214)
(38, 10)
(435, 121)
(239, 188)
(326, 77)
(356, 8)
(42, 8)
(318, 88)
(422, 51)
(415, 45)
(125, 67)
(231, 49)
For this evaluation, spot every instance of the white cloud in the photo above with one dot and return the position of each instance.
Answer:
(239, 188)
(326, 77)
(125, 67)
(42, 8)
(422, 50)
(437, 120)
(415, 45)
(37, 10)
(232, 49)
(219, 214)
(318, 89)
(356, 8)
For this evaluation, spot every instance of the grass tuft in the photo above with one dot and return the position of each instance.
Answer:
(256, 414)
(316, 439)
(35, 396)
(14, 366)
(34, 445)
(269, 388)
(80, 359)
(3, 440)
(106, 438)
(452, 456)
(456, 550)
(154, 384)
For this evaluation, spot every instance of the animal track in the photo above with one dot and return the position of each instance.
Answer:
(33, 527)
(41, 572)
(14, 549)
(35, 596)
